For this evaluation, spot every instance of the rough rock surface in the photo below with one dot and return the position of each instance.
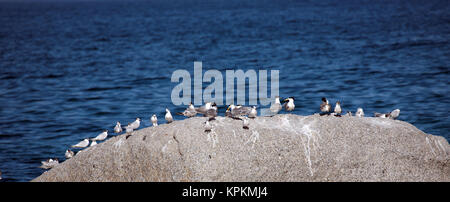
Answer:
(280, 148)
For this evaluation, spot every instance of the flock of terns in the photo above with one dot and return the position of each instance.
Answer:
(210, 110)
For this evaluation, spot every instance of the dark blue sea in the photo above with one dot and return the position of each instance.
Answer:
(69, 70)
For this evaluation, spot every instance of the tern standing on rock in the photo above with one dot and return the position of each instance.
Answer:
(253, 113)
(289, 106)
(394, 114)
(81, 144)
(168, 116)
(337, 108)
(238, 111)
(136, 124)
(276, 106)
(129, 129)
(359, 112)
(325, 106)
(211, 114)
(214, 106)
(203, 109)
(228, 113)
(69, 154)
(118, 128)
(189, 112)
(154, 120)
(50, 163)
(101, 136)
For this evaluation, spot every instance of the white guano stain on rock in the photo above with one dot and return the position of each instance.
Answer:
(118, 143)
(253, 138)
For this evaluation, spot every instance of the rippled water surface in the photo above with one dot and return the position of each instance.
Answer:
(69, 70)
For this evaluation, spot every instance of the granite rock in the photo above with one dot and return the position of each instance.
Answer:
(281, 148)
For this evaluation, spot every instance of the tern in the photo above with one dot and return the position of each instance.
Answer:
(154, 120)
(359, 112)
(168, 116)
(228, 113)
(136, 123)
(203, 109)
(214, 106)
(238, 111)
(289, 106)
(69, 154)
(81, 144)
(394, 114)
(50, 163)
(118, 128)
(129, 129)
(189, 112)
(101, 136)
(337, 109)
(211, 113)
(253, 113)
(325, 106)
(276, 106)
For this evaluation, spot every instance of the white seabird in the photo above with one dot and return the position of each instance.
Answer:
(337, 108)
(50, 163)
(135, 124)
(394, 114)
(168, 116)
(289, 106)
(214, 106)
(69, 154)
(154, 120)
(203, 109)
(238, 111)
(253, 113)
(276, 106)
(118, 128)
(101, 136)
(129, 129)
(81, 144)
(325, 106)
(189, 112)
(359, 112)
(211, 113)
(228, 113)
(210, 110)
(231, 109)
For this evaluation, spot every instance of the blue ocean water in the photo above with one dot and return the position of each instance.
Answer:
(69, 70)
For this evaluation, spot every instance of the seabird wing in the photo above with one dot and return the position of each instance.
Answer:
(211, 113)
(201, 110)
(243, 111)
